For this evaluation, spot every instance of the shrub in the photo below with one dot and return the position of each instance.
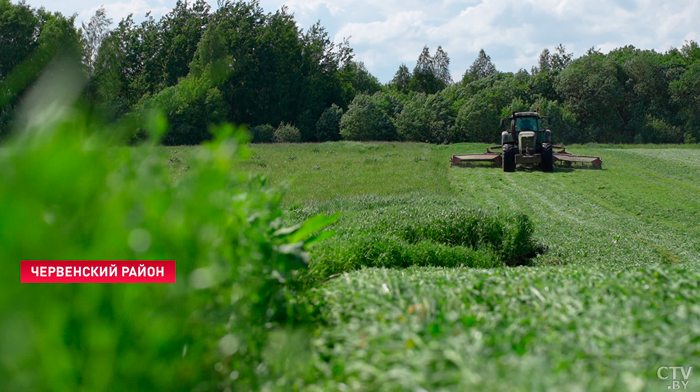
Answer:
(427, 119)
(191, 107)
(328, 125)
(263, 133)
(287, 133)
(68, 194)
(390, 102)
(660, 131)
(365, 121)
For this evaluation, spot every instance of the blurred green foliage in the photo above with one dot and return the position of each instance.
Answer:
(68, 193)
(31, 39)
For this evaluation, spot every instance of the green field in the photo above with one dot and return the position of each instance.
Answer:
(612, 295)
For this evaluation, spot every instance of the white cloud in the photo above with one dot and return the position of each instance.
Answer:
(311, 6)
(401, 26)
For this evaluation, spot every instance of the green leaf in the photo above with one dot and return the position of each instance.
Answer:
(286, 230)
(320, 237)
(299, 232)
(313, 225)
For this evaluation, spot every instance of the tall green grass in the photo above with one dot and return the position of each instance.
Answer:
(418, 231)
(523, 329)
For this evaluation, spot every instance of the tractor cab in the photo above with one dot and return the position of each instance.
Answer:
(526, 126)
(523, 121)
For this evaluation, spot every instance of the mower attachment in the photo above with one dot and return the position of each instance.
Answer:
(489, 156)
(497, 159)
(570, 158)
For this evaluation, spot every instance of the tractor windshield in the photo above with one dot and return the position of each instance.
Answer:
(527, 124)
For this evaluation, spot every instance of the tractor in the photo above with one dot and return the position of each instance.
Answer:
(525, 142)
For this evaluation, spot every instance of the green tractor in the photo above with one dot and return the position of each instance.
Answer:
(524, 142)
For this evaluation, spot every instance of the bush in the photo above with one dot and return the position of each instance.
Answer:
(287, 133)
(365, 121)
(263, 133)
(191, 107)
(427, 119)
(328, 125)
(660, 131)
(236, 265)
(390, 102)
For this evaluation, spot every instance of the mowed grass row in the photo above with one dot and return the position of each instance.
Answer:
(614, 297)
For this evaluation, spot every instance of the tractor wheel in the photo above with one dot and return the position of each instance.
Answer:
(509, 152)
(547, 162)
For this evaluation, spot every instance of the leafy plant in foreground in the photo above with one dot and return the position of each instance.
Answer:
(70, 194)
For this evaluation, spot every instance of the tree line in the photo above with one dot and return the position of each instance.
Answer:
(242, 65)
(628, 95)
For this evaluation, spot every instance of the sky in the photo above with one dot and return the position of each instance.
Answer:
(386, 33)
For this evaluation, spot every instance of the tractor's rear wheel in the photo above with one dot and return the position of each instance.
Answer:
(547, 162)
(509, 152)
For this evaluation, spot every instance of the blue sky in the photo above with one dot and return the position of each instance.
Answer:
(386, 33)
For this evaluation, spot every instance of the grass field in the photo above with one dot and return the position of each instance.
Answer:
(611, 294)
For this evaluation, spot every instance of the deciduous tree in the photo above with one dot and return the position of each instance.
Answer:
(482, 67)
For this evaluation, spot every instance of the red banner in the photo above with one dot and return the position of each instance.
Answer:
(97, 271)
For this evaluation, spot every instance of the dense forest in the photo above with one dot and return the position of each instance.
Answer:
(242, 65)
